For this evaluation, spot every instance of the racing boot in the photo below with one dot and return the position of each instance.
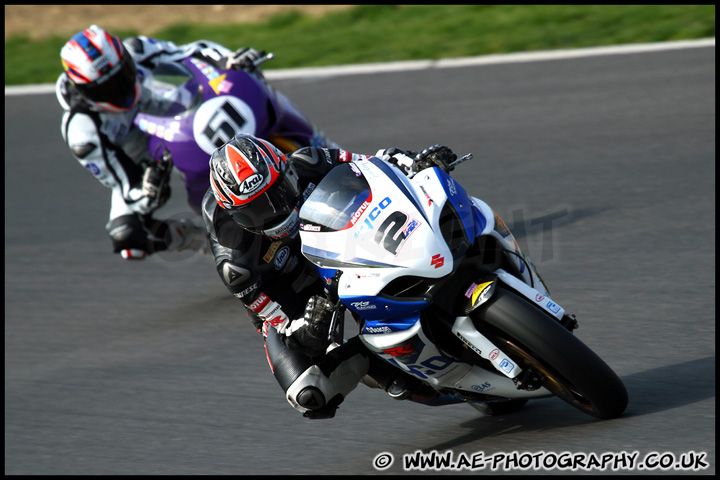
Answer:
(315, 389)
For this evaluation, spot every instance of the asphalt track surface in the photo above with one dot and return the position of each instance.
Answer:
(604, 167)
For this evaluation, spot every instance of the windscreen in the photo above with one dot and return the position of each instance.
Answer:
(335, 201)
(175, 91)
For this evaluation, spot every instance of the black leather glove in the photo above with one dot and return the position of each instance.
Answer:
(435, 156)
(243, 59)
(314, 335)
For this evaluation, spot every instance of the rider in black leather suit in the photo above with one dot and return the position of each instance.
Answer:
(251, 214)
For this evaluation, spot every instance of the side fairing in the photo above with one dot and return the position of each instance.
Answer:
(496, 228)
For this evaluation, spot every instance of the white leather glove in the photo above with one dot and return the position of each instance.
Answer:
(242, 59)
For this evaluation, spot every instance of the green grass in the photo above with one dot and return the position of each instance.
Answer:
(379, 33)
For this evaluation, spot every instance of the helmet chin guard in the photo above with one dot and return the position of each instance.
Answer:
(288, 228)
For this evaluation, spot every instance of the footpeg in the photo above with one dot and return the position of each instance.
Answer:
(569, 322)
(528, 380)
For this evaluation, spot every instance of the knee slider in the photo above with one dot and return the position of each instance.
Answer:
(314, 389)
(127, 233)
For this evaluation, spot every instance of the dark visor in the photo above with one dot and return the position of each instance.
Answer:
(119, 90)
(269, 209)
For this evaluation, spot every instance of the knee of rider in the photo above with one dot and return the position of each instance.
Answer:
(127, 233)
(333, 387)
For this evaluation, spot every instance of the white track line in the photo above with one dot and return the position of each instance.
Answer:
(369, 68)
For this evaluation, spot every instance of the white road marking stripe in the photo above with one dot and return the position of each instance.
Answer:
(369, 68)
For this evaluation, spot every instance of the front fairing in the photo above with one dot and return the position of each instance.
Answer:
(206, 108)
(373, 229)
(376, 226)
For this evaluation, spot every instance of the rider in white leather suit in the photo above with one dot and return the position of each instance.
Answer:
(105, 83)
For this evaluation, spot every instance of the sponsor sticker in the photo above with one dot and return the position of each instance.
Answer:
(399, 351)
(468, 343)
(365, 305)
(271, 251)
(281, 257)
(251, 183)
(248, 290)
(553, 307)
(358, 213)
(259, 303)
(308, 191)
(437, 260)
(93, 169)
(412, 226)
(367, 225)
(506, 365)
(481, 387)
(382, 329)
(451, 187)
(480, 290)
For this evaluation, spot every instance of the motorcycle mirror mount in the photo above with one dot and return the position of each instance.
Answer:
(460, 160)
(263, 59)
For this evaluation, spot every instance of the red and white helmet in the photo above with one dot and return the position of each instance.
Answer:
(254, 182)
(102, 70)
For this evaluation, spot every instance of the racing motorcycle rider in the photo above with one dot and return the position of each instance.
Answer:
(251, 214)
(105, 83)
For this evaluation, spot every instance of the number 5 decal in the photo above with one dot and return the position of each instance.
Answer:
(219, 119)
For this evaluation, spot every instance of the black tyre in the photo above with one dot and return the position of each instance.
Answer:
(568, 368)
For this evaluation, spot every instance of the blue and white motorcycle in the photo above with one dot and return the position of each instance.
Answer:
(440, 289)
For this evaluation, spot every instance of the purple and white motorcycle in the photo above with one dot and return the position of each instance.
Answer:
(207, 107)
(440, 290)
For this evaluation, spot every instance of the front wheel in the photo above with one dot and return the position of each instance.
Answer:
(566, 366)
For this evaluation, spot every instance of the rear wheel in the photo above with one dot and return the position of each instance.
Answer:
(564, 365)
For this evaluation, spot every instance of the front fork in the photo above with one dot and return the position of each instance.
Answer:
(528, 379)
